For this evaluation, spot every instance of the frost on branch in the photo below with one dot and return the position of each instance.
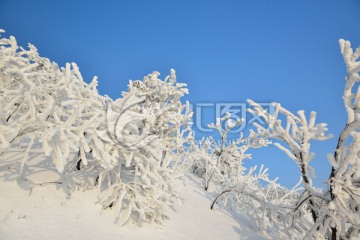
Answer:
(132, 148)
(43, 102)
(265, 201)
(294, 138)
(153, 137)
(344, 181)
(268, 204)
(221, 161)
(335, 214)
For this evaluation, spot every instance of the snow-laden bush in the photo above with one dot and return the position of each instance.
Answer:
(152, 138)
(265, 201)
(221, 162)
(133, 148)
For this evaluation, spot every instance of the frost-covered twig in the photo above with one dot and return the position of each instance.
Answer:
(345, 174)
(297, 134)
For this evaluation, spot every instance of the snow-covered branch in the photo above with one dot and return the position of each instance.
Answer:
(344, 181)
(222, 161)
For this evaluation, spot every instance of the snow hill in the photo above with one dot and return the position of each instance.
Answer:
(48, 213)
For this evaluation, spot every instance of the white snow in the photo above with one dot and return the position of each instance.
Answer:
(48, 214)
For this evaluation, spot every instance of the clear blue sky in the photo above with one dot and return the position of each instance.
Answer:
(226, 51)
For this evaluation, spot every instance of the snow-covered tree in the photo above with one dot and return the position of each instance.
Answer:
(132, 148)
(204, 160)
(344, 206)
(294, 139)
(37, 98)
(334, 214)
(152, 133)
(221, 162)
(268, 204)
(265, 201)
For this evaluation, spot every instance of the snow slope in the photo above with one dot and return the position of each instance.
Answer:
(47, 213)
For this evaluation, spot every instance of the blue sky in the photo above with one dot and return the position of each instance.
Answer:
(226, 51)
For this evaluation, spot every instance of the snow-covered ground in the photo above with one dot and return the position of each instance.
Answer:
(47, 213)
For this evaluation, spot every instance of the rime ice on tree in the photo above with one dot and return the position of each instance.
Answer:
(132, 148)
